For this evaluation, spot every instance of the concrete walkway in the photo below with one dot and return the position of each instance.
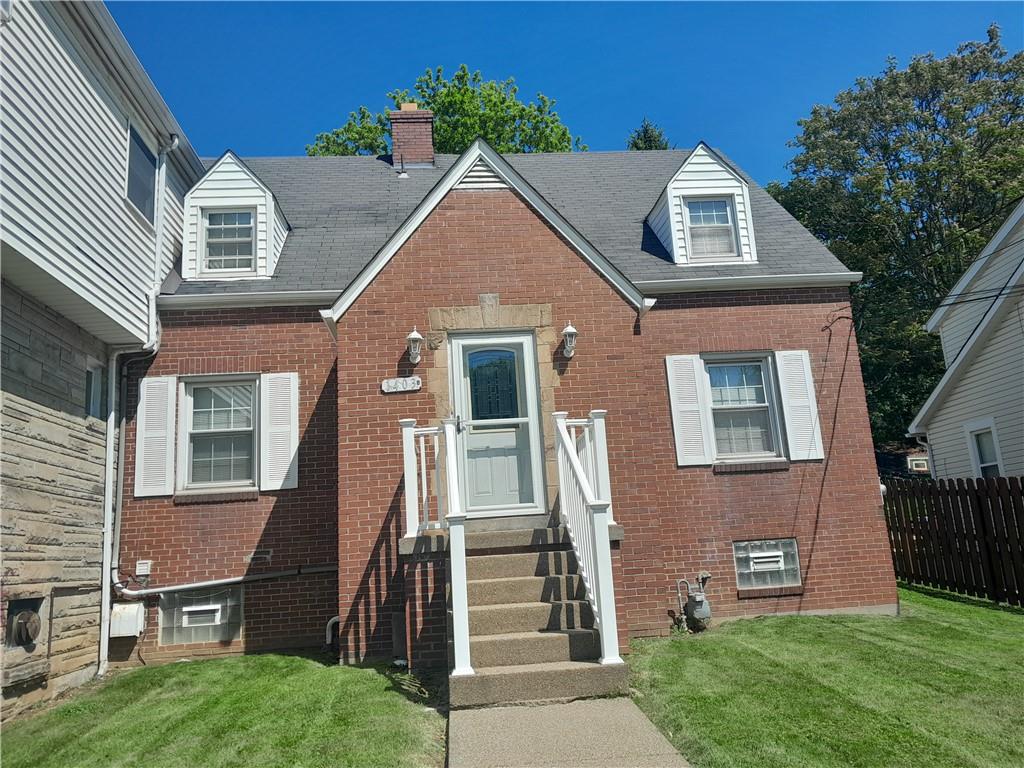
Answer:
(595, 733)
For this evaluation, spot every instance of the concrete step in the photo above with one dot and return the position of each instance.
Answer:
(526, 589)
(538, 682)
(520, 564)
(519, 538)
(527, 617)
(534, 647)
(510, 523)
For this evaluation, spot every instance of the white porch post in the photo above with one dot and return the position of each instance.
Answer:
(412, 493)
(600, 449)
(601, 511)
(457, 554)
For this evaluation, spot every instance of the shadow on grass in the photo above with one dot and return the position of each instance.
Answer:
(977, 602)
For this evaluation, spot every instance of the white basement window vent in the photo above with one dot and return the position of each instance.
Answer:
(766, 563)
(200, 615)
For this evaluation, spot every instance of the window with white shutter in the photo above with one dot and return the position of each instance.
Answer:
(799, 405)
(154, 438)
(279, 442)
(731, 408)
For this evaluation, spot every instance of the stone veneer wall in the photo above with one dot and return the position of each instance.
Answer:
(52, 498)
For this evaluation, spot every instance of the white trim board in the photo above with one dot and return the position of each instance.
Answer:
(977, 265)
(748, 282)
(973, 345)
(267, 299)
(477, 151)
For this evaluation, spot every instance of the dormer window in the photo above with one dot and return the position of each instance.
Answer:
(229, 241)
(711, 229)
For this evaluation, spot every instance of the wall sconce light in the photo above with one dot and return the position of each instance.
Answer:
(569, 340)
(414, 341)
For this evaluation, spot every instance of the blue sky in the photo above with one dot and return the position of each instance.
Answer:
(264, 78)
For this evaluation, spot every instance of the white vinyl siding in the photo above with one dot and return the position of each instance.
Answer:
(961, 319)
(703, 176)
(230, 186)
(63, 199)
(990, 387)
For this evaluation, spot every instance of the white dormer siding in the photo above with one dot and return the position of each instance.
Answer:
(704, 177)
(229, 186)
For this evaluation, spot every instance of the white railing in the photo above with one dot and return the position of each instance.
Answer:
(432, 500)
(584, 498)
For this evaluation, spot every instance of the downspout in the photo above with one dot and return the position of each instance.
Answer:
(153, 342)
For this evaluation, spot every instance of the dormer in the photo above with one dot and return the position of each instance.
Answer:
(703, 215)
(234, 228)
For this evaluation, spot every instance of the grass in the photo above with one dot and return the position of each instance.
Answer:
(940, 685)
(266, 710)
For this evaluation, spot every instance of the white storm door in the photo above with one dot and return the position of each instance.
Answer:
(495, 400)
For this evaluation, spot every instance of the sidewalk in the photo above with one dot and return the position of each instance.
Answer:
(595, 733)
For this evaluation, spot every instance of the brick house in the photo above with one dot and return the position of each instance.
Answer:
(486, 410)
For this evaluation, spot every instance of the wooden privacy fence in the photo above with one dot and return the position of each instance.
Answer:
(963, 535)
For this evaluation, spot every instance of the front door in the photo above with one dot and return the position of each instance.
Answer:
(494, 387)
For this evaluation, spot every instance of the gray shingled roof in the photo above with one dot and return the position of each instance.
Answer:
(343, 209)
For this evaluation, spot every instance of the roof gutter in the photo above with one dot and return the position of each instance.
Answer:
(252, 299)
(748, 282)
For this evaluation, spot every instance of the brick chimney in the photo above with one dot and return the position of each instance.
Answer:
(412, 136)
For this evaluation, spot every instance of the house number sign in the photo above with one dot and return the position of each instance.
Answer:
(403, 384)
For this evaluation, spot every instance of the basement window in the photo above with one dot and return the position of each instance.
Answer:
(766, 563)
(201, 616)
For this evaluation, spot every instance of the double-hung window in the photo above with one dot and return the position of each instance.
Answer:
(712, 231)
(229, 239)
(742, 412)
(221, 433)
(141, 184)
(984, 450)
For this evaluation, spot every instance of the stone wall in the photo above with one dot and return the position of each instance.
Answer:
(52, 498)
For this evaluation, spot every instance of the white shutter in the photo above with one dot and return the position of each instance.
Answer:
(279, 431)
(154, 436)
(799, 405)
(688, 397)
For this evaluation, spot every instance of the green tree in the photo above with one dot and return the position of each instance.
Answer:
(465, 107)
(647, 136)
(905, 178)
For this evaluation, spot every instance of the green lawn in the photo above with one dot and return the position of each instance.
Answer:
(941, 685)
(266, 710)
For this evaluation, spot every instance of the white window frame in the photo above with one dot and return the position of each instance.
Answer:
(184, 459)
(202, 256)
(188, 610)
(723, 258)
(771, 396)
(94, 399)
(781, 560)
(972, 429)
(128, 169)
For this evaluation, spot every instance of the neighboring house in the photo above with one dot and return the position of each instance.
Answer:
(354, 427)
(91, 192)
(973, 421)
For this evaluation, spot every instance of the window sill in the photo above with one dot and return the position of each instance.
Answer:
(753, 466)
(751, 594)
(215, 496)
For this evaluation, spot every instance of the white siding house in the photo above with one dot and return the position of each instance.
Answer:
(93, 174)
(974, 419)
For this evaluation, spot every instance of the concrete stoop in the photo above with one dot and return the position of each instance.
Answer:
(532, 635)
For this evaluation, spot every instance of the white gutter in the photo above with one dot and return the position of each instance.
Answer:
(747, 282)
(123, 591)
(252, 299)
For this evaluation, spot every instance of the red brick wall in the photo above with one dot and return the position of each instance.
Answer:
(195, 542)
(677, 520)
